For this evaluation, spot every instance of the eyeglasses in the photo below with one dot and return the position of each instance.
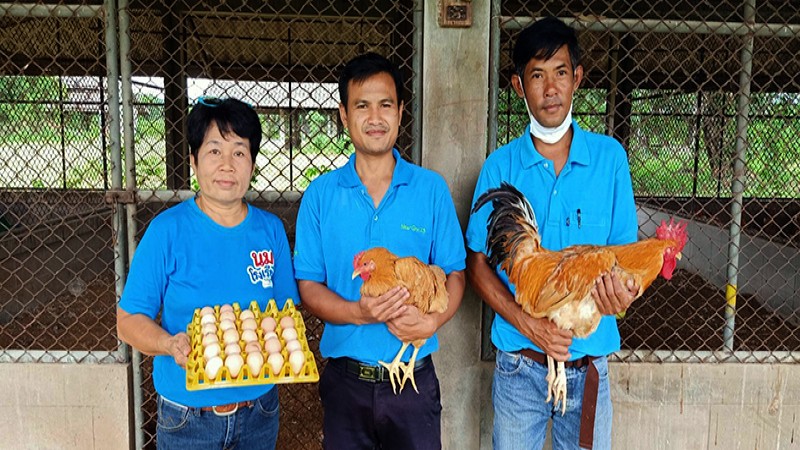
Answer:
(213, 102)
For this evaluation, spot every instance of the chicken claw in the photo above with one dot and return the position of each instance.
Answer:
(560, 389)
(408, 371)
(394, 368)
(551, 376)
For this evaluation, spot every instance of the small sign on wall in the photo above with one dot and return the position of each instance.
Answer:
(455, 13)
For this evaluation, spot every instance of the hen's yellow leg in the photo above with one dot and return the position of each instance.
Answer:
(394, 367)
(408, 371)
(560, 389)
(551, 376)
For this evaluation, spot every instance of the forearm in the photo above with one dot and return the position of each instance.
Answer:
(328, 305)
(142, 333)
(490, 288)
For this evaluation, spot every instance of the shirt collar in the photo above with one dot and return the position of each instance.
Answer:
(578, 150)
(400, 176)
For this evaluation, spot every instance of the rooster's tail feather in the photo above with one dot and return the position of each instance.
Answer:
(511, 227)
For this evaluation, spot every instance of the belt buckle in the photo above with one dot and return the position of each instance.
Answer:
(225, 413)
(367, 373)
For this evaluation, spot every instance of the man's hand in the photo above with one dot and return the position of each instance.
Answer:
(384, 308)
(412, 325)
(611, 296)
(547, 336)
(178, 347)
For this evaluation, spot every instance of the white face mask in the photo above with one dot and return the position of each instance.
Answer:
(543, 133)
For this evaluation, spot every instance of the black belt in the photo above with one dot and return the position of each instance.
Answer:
(541, 358)
(372, 374)
(589, 405)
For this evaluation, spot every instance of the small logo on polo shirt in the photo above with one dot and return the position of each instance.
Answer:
(413, 228)
(262, 269)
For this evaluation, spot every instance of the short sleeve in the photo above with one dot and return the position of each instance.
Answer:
(308, 257)
(146, 283)
(476, 227)
(285, 285)
(448, 244)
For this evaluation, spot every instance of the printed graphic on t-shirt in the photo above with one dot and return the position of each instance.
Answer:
(262, 269)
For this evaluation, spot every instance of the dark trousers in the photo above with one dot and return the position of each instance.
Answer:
(368, 415)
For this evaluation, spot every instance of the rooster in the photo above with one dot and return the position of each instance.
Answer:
(381, 270)
(558, 285)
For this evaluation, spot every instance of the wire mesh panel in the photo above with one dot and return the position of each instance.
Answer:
(708, 108)
(56, 260)
(283, 58)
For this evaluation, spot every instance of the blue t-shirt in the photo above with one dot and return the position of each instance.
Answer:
(337, 219)
(186, 261)
(590, 202)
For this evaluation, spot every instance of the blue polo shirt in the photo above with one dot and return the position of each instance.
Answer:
(590, 202)
(337, 219)
(184, 261)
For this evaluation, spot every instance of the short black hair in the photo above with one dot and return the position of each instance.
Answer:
(230, 115)
(541, 40)
(364, 66)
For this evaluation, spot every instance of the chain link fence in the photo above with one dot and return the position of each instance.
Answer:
(705, 97)
(57, 298)
(68, 221)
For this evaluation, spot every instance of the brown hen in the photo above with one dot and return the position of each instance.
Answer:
(382, 270)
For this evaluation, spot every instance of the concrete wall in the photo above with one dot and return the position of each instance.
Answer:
(454, 121)
(64, 406)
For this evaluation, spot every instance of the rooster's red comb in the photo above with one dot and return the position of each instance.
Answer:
(674, 231)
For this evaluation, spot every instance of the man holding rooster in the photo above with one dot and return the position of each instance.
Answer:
(579, 186)
(376, 200)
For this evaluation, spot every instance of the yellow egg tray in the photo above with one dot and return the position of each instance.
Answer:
(196, 378)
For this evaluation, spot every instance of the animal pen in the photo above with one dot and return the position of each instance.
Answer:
(705, 97)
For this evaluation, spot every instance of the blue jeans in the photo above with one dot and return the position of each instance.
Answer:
(254, 427)
(521, 415)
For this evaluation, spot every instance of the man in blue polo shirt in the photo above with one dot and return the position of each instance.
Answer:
(376, 200)
(580, 188)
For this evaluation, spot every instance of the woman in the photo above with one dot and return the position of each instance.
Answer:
(211, 249)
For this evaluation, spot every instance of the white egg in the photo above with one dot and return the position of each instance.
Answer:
(227, 315)
(272, 346)
(297, 360)
(293, 345)
(287, 322)
(226, 325)
(249, 336)
(275, 362)
(208, 318)
(210, 328)
(289, 334)
(270, 335)
(210, 351)
(268, 324)
(206, 311)
(230, 336)
(249, 324)
(212, 367)
(252, 347)
(254, 361)
(232, 349)
(210, 338)
(246, 314)
(226, 307)
(234, 364)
